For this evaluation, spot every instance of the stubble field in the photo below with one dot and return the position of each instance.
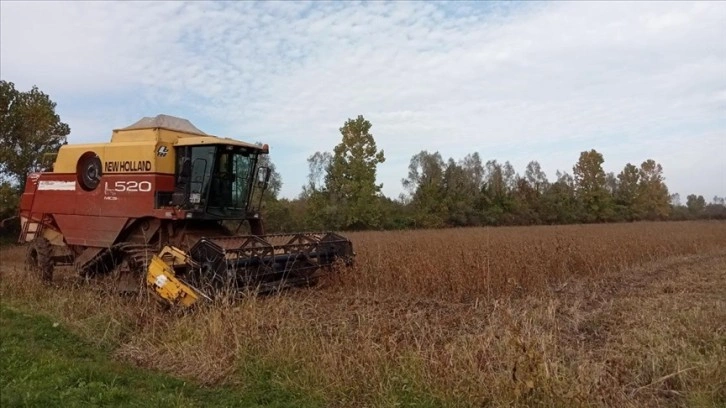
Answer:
(595, 315)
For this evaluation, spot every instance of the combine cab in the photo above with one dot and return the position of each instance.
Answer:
(155, 205)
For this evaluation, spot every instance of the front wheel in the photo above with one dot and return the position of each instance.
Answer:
(39, 259)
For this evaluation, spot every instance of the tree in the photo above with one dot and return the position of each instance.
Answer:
(351, 180)
(695, 204)
(396, 214)
(323, 213)
(591, 186)
(425, 169)
(319, 165)
(497, 202)
(474, 169)
(715, 211)
(29, 128)
(528, 194)
(627, 193)
(653, 199)
(560, 203)
(536, 178)
(286, 215)
(459, 191)
(679, 211)
(526, 203)
(8, 201)
(425, 184)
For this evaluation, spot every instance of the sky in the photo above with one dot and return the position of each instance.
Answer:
(512, 81)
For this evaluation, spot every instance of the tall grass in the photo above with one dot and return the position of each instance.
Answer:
(503, 316)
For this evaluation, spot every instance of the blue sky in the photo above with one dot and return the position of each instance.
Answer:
(512, 81)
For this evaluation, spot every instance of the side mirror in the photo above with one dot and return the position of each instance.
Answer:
(263, 177)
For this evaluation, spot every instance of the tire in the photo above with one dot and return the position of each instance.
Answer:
(89, 171)
(39, 259)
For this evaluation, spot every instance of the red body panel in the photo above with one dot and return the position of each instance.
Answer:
(95, 218)
(89, 231)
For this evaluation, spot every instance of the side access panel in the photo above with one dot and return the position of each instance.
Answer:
(94, 231)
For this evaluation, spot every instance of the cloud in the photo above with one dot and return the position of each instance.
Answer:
(515, 82)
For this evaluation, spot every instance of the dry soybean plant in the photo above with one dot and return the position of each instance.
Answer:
(475, 316)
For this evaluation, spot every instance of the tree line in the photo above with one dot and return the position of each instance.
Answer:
(342, 192)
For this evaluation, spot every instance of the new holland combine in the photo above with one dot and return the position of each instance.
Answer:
(158, 204)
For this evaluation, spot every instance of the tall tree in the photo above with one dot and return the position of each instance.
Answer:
(497, 202)
(322, 212)
(319, 166)
(627, 193)
(351, 181)
(425, 169)
(528, 194)
(536, 178)
(29, 128)
(652, 191)
(499, 180)
(459, 191)
(611, 183)
(526, 203)
(591, 186)
(425, 184)
(474, 169)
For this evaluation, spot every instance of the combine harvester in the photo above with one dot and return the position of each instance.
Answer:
(156, 203)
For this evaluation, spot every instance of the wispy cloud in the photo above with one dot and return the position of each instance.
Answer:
(514, 82)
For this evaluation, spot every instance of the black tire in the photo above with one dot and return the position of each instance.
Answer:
(39, 259)
(89, 171)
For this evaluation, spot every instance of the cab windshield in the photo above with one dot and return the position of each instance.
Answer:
(221, 178)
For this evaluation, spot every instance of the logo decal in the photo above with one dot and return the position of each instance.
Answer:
(126, 166)
(162, 151)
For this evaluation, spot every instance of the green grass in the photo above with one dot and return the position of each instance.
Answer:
(42, 364)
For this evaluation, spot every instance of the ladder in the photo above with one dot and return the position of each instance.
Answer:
(31, 229)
